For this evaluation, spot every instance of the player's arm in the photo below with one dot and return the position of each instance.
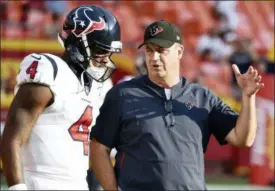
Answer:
(104, 137)
(29, 102)
(33, 94)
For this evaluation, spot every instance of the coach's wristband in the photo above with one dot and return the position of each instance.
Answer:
(18, 187)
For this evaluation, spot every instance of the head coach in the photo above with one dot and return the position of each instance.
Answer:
(161, 123)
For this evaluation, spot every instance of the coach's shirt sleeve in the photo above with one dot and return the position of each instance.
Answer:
(106, 129)
(222, 119)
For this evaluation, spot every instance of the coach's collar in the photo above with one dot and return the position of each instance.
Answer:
(176, 90)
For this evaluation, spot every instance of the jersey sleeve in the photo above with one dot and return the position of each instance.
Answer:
(222, 119)
(36, 68)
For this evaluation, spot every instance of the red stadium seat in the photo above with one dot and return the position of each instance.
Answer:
(261, 33)
(146, 8)
(130, 27)
(191, 30)
(169, 15)
(202, 11)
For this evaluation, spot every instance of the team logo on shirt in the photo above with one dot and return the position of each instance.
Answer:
(189, 105)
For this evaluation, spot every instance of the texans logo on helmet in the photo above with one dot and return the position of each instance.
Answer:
(85, 25)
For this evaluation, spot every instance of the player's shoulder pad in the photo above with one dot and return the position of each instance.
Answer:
(38, 68)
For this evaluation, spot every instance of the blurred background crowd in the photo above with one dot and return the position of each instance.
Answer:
(216, 34)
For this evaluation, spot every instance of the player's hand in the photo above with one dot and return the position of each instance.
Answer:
(249, 82)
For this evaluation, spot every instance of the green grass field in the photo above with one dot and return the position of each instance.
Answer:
(232, 183)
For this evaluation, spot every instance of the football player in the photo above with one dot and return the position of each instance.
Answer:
(45, 140)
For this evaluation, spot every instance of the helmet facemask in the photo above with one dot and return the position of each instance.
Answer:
(83, 53)
(102, 71)
(96, 67)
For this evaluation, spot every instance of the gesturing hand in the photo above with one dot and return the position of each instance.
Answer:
(249, 82)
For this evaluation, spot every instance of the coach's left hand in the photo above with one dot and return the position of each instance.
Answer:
(249, 82)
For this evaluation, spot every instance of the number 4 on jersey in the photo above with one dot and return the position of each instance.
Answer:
(79, 131)
(32, 69)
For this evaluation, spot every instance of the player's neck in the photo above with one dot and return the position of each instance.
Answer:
(77, 70)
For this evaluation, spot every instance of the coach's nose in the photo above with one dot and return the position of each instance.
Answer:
(156, 55)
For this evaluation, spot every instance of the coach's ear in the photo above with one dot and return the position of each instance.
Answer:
(180, 50)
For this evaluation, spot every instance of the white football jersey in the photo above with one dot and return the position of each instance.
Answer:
(58, 144)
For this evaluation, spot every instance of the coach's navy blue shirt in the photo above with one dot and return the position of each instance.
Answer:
(160, 142)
